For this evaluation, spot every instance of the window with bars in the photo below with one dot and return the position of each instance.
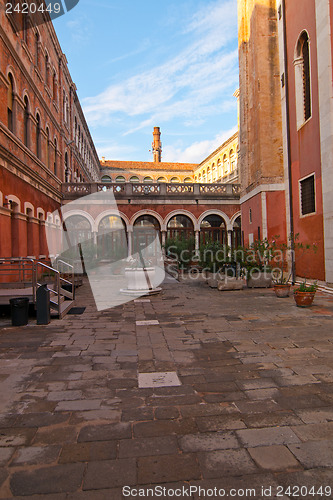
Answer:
(308, 200)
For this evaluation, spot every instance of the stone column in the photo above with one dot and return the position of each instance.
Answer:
(129, 241)
(229, 232)
(197, 242)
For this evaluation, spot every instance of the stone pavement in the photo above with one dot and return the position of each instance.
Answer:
(254, 408)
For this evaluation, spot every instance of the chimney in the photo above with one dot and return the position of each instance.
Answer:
(103, 159)
(157, 145)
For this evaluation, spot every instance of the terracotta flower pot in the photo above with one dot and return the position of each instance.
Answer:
(282, 290)
(304, 299)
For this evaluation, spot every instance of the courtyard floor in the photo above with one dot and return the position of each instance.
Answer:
(253, 411)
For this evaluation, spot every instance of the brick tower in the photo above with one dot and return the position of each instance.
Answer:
(157, 145)
(260, 140)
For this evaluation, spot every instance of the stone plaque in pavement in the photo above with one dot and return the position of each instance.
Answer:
(147, 322)
(158, 379)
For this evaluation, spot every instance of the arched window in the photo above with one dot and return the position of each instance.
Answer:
(75, 131)
(55, 157)
(303, 79)
(213, 228)
(37, 49)
(232, 160)
(26, 122)
(174, 179)
(25, 27)
(10, 103)
(47, 147)
(161, 179)
(47, 68)
(225, 164)
(38, 136)
(188, 179)
(54, 87)
(219, 168)
(134, 178)
(67, 178)
(148, 179)
(120, 178)
(106, 178)
(204, 176)
(209, 179)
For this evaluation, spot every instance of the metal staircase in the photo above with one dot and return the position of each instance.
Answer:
(23, 276)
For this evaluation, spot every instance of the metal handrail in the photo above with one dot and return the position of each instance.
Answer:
(19, 270)
(27, 271)
(57, 282)
(63, 280)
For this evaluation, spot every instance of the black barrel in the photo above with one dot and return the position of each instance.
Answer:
(19, 311)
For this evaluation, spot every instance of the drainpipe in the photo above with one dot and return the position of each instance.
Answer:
(292, 234)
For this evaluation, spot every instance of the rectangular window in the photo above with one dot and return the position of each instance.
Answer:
(308, 202)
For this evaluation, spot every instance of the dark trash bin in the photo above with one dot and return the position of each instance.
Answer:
(43, 305)
(19, 311)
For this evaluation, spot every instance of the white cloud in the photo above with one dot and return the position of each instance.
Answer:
(187, 85)
(198, 151)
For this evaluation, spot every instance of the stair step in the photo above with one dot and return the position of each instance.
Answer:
(64, 308)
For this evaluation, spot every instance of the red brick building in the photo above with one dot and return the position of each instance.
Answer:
(44, 139)
(286, 126)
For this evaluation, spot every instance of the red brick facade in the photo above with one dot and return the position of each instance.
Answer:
(44, 139)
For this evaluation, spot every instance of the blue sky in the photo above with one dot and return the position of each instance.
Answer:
(142, 63)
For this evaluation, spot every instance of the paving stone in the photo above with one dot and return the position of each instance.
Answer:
(267, 436)
(316, 416)
(164, 468)
(105, 494)
(164, 427)
(314, 431)
(137, 414)
(313, 453)
(5, 455)
(41, 419)
(143, 447)
(219, 423)
(278, 418)
(274, 458)
(86, 452)
(166, 413)
(261, 383)
(120, 430)
(16, 437)
(208, 441)
(57, 479)
(34, 455)
(110, 474)
(215, 464)
(55, 435)
(64, 395)
(79, 405)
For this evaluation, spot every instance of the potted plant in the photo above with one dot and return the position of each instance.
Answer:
(305, 293)
(280, 251)
(279, 261)
(257, 264)
(180, 251)
(213, 256)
